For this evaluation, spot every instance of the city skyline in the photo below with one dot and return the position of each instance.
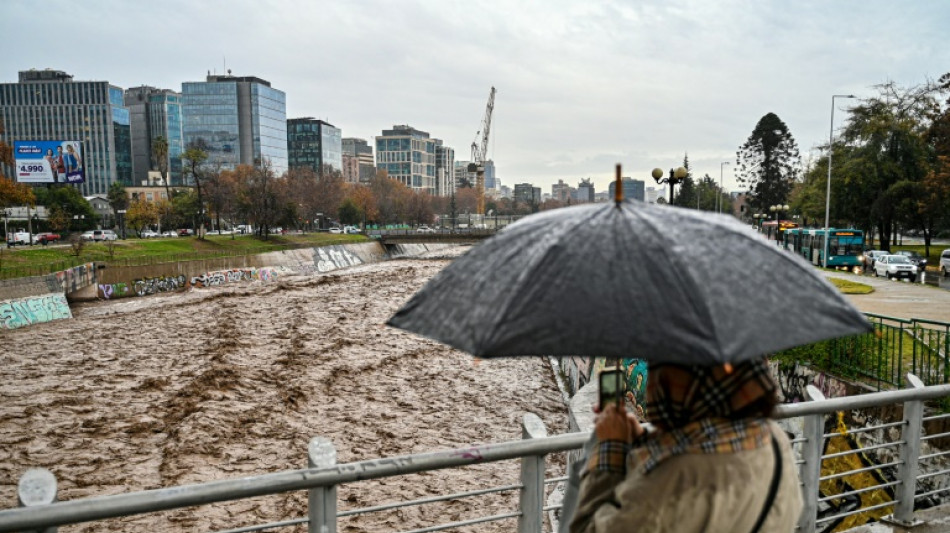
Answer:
(580, 87)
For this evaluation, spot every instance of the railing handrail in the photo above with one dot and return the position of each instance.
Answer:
(97, 508)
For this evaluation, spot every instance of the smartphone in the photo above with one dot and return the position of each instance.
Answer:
(611, 387)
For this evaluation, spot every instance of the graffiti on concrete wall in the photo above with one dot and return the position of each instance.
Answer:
(73, 279)
(111, 291)
(333, 257)
(33, 310)
(158, 284)
(792, 380)
(580, 370)
(234, 275)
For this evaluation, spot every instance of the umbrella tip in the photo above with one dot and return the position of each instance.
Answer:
(618, 187)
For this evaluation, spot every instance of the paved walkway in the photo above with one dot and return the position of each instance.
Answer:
(899, 299)
(935, 520)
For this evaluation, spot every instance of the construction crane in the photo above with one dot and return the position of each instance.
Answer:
(479, 155)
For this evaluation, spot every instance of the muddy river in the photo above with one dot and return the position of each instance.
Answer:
(222, 383)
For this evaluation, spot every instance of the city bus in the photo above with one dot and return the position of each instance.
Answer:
(845, 247)
(775, 230)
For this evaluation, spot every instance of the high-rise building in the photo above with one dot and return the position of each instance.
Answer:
(527, 193)
(155, 113)
(444, 169)
(561, 191)
(463, 176)
(408, 155)
(237, 120)
(363, 152)
(633, 189)
(47, 105)
(584, 192)
(314, 144)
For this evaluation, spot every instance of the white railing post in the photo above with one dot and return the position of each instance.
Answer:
(532, 479)
(814, 430)
(909, 468)
(37, 486)
(321, 501)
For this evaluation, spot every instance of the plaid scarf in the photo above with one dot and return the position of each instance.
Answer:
(704, 410)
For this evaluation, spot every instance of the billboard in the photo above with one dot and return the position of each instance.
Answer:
(48, 161)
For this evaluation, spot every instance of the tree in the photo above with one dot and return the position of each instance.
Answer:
(141, 214)
(160, 159)
(118, 198)
(884, 156)
(193, 161)
(768, 164)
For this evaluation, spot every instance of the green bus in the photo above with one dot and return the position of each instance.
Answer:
(845, 246)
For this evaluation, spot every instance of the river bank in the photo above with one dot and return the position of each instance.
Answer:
(231, 381)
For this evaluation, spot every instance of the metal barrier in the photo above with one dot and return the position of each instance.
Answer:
(321, 479)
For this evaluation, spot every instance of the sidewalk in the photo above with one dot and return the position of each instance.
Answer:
(935, 520)
(899, 299)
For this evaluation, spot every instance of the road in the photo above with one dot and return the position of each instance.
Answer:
(900, 299)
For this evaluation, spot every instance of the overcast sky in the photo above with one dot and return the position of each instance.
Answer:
(582, 85)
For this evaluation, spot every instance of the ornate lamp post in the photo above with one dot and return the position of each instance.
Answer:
(719, 198)
(777, 209)
(676, 177)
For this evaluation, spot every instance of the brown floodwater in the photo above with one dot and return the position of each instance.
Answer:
(228, 382)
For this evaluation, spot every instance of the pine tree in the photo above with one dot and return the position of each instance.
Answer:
(768, 164)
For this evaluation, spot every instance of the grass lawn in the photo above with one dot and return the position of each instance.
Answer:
(851, 287)
(37, 260)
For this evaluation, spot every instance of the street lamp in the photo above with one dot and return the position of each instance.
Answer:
(778, 208)
(121, 213)
(676, 177)
(831, 136)
(719, 198)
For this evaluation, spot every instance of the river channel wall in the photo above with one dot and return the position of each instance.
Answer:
(27, 301)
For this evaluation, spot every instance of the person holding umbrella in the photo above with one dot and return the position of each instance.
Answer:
(714, 461)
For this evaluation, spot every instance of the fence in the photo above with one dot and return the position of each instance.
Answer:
(911, 468)
(897, 347)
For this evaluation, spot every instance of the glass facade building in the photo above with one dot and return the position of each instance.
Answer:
(47, 105)
(409, 156)
(444, 169)
(155, 113)
(237, 120)
(314, 143)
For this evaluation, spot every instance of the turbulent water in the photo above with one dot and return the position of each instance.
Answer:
(222, 383)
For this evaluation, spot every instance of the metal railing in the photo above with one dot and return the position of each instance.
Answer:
(38, 493)
(896, 347)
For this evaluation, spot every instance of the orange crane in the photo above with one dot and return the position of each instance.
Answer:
(479, 155)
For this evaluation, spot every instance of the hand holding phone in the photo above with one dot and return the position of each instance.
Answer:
(610, 389)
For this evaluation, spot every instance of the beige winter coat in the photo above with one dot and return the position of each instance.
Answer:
(708, 493)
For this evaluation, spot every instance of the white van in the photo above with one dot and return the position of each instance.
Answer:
(945, 262)
(104, 235)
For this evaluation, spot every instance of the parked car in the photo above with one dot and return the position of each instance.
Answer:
(169, 233)
(351, 229)
(45, 238)
(870, 256)
(945, 262)
(149, 234)
(104, 235)
(18, 237)
(895, 266)
(335, 229)
(185, 232)
(915, 258)
(424, 229)
(87, 236)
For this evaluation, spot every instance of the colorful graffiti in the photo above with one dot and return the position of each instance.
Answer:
(111, 291)
(33, 310)
(221, 277)
(635, 371)
(793, 379)
(580, 370)
(75, 278)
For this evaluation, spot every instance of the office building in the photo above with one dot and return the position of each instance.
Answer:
(237, 120)
(47, 105)
(314, 144)
(444, 169)
(491, 182)
(155, 113)
(561, 191)
(464, 177)
(527, 193)
(584, 192)
(633, 189)
(363, 152)
(409, 156)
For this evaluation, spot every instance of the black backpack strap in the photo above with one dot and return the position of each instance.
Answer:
(773, 488)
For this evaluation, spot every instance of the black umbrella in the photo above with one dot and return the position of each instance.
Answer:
(629, 279)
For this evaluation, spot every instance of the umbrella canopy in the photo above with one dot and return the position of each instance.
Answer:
(629, 280)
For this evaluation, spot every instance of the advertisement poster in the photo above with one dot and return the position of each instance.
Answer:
(48, 161)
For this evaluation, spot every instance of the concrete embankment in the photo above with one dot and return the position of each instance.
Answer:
(39, 299)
